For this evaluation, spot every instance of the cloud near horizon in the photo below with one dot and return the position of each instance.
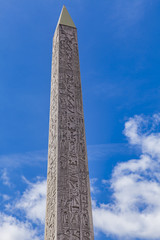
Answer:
(13, 229)
(133, 212)
(24, 217)
(135, 185)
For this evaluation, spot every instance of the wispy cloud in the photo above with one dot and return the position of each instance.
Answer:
(129, 11)
(28, 158)
(31, 205)
(5, 197)
(105, 151)
(95, 152)
(13, 229)
(126, 14)
(126, 93)
(93, 188)
(5, 178)
(135, 210)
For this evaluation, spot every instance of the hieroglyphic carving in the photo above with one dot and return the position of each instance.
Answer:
(69, 215)
(51, 206)
(71, 120)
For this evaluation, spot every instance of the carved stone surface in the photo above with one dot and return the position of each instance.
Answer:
(68, 210)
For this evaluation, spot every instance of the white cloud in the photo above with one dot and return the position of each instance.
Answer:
(31, 205)
(33, 202)
(141, 131)
(5, 178)
(135, 210)
(13, 229)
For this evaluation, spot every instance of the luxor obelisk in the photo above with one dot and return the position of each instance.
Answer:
(68, 209)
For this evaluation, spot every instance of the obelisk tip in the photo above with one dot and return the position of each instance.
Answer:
(65, 18)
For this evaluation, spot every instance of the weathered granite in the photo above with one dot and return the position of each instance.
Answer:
(68, 209)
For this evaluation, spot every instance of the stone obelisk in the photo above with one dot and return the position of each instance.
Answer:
(68, 210)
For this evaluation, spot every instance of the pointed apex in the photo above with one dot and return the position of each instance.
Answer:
(65, 18)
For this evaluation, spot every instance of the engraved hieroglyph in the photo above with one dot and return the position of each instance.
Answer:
(68, 209)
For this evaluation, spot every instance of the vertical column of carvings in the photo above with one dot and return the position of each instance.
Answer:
(86, 224)
(51, 206)
(63, 194)
(74, 208)
(63, 227)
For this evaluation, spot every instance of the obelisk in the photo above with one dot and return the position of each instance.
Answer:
(68, 209)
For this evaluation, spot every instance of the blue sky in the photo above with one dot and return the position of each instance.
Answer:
(119, 59)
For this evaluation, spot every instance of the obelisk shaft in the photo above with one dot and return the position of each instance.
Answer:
(68, 212)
